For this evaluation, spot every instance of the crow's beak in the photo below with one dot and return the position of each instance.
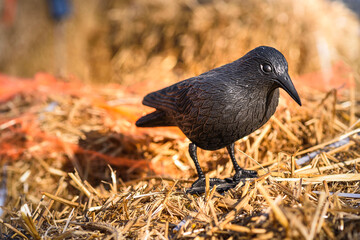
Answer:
(286, 84)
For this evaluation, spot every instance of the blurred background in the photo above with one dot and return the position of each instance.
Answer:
(161, 41)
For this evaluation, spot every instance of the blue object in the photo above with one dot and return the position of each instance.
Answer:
(3, 190)
(60, 9)
(49, 108)
(178, 227)
(348, 195)
(327, 148)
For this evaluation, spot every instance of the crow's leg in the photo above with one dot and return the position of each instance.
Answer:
(193, 155)
(239, 172)
(199, 185)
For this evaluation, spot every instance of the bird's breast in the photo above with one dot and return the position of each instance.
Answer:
(216, 122)
(259, 110)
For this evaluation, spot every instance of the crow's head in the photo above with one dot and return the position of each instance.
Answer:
(271, 69)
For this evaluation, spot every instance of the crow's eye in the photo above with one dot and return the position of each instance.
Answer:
(266, 68)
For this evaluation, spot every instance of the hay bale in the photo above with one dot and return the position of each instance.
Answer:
(169, 40)
(133, 41)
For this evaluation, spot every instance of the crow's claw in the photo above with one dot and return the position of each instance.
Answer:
(222, 185)
(244, 174)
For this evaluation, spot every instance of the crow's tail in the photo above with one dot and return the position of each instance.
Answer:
(154, 119)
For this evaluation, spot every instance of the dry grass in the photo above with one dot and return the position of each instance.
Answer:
(45, 135)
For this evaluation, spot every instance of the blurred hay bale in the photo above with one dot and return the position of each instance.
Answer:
(132, 41)
(188, 37)
(34, 41)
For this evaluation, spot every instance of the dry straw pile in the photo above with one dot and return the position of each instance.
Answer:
(45, 135)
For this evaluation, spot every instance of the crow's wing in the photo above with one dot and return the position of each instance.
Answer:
(170, 99)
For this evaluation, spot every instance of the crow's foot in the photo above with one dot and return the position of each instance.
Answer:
(244, 174)
(222, 185)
